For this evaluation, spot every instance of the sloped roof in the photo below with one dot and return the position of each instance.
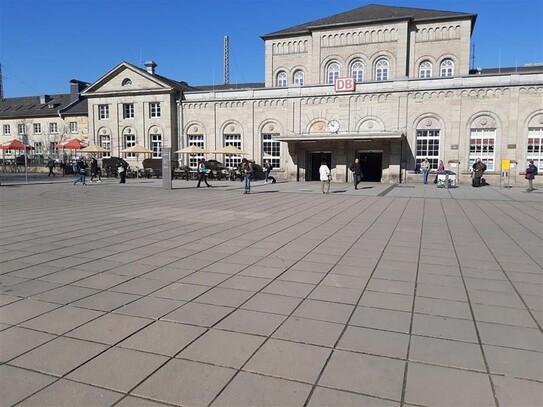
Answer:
(31, 106)
(371, 13)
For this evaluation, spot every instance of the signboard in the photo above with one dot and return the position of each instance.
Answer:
(167, 167)
(344, 85)
(506, 164)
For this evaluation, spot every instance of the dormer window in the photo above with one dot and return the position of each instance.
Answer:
(127, 82)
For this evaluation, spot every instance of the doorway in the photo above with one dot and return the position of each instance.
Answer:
(371, 163)
(314, 162)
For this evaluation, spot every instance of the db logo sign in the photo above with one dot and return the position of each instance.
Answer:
(344, 85)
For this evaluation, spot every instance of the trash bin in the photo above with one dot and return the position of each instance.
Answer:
(446, 179)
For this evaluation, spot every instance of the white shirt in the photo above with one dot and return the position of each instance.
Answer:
(324, 171)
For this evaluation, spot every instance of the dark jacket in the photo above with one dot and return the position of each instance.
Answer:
(356, 169)
(479, 168)
(531, 171)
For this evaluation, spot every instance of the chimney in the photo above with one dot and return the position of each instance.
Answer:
(151, 65)
(44, 99)
(76, 87)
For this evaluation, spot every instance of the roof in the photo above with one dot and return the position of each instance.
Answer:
(31, 106)
(371, 13)
(230, 86)
(533, 68)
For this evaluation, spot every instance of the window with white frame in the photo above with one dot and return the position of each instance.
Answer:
(53, 147)
(481, 145)
(428, 147)
(156, 145)
(73, 127)
(447, 68)
(332, 73)
(128, 110)
(105, 141)
(53, 128)
(271, 150)
(535, 146)
(103, 112)
(299, 78)
(6, 129)
(282, 79)
(425, 69)
(37, 128)
(129, 141)
(232, 160)
(196, 140)
(357, 71)
(381, 70)
(38, 147)
(21, 128)
(154, 110)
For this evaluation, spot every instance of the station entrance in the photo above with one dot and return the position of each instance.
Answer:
(372, 165)
(314, 160)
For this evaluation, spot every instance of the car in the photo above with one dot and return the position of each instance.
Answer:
(217, 169)
(110, 165)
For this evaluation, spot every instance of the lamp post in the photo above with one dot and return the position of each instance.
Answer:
(24, 140)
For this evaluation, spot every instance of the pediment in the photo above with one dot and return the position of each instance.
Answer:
(126, 78)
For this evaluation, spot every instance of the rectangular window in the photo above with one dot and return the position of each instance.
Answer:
(232, 160)
(128, 110)
(154, 110)
(156, 145)
(21, 128)
(105, 141)
(129, 141)
(103, 112)
(38, 148)
(481, 144)
(37, 128)
(73, 127)
(428, 147)
(535, 146)
(198, 141)
(53, 128)
(52, 147)
(271, 150)
(7, 129)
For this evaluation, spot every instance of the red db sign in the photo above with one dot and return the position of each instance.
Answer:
(344, 85)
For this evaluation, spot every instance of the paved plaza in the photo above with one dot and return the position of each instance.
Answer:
(135, 295)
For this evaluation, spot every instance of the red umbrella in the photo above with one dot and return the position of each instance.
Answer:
(14, 145)
(73, 144)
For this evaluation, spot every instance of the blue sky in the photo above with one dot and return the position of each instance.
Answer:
(46, 43)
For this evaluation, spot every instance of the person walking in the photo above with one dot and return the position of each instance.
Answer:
(267, 169)
(51, 165)
(80, 168)
(122, 173)
(325, 177)
(202, 173)
(531, 172)
(356, 169)
(425, 169)
(95, 170)
(246, 173)
(478, 169)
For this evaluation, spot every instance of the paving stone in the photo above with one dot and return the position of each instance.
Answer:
(443, 327)
(105, 301)
(205, 278)
(335, 294)
(17, 384)
(503, 315)
(375, 342)
(323, 397)
(512, 392)
(515, 362)
(16, 341)
(62, 320)
(444, 308)
(198, 314)
(23, 310)
(66, 294)
(324, 311)
(511, 336)
(245, 283)
(150, 307)
(390, 320)
(251, 322)
(396, 302)
(180, 291)
(224, 296)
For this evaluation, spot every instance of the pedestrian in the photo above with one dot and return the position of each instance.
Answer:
(478, 169)
(51, 165)
(531, 172)
(95, 170)
(80, 169)
(356, 169)
(246, 173)
(425, 169)
(122, 173)
(267, 169)
(202, 173)
(440, 170)
(325, 177)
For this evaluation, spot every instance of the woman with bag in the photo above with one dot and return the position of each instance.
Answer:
(325, 177)
(202, 173)
(246, 173)
(531, 172)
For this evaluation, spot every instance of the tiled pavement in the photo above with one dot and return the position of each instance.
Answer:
(135, 295)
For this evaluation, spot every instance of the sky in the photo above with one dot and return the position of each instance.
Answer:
(46, 43)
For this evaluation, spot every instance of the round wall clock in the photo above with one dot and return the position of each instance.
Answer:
(333, 126)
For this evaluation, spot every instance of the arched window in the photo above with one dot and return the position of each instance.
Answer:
(332, 73)
(428, 146)
(299, 78)
(381, 70)
(357, 71)
(447, 68)
(282, 79)
(232, 160)
(535, 146)
(126, 82)
(425, 69)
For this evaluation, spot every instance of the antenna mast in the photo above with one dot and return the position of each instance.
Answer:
(226, 60)
(472, 62)
(1, 83)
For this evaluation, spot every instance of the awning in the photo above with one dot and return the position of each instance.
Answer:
(384, 135)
